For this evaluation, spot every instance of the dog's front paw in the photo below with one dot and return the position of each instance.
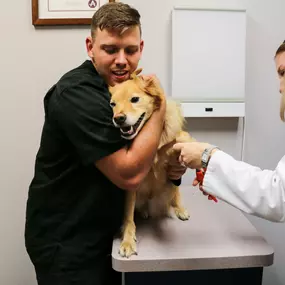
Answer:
(128, 248)
(181, 214)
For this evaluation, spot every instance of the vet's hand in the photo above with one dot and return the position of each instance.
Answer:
(174, 169)
(191, 153)
(197, 183)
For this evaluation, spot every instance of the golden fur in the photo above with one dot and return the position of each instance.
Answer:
(157, 195)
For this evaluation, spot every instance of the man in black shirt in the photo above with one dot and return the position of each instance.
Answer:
(83, 166)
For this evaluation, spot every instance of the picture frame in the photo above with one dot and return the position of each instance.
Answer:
(64, 12)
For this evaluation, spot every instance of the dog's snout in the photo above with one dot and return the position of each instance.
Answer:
(120, 119)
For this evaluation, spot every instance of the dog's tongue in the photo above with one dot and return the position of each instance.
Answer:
(127, 130)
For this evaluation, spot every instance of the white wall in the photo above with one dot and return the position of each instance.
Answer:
(33, 59)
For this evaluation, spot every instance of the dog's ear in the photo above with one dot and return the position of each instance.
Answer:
(136, 73)
(151, 86)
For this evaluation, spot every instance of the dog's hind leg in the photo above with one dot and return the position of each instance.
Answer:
(179, 210)
(128, 244)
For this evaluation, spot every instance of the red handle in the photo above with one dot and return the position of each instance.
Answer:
(200, 173)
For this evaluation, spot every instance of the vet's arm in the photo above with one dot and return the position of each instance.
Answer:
(248, 188)
(126, 168)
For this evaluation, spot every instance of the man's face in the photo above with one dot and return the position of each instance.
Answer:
(280, 67)
(115, 55)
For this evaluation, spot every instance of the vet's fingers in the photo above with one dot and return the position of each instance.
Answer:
(178, 146)
(195, 182)
(181, 161)
(177, 162)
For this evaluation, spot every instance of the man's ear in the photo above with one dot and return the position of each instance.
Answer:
(141, 46)
(89, 46)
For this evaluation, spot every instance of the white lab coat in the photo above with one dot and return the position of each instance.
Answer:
(246, 187)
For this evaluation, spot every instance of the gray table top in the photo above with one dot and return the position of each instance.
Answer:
(216, 236)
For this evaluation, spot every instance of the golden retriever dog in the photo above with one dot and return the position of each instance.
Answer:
(133, 102)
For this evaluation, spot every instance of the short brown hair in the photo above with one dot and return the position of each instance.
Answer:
(280, 49)
(115, 16)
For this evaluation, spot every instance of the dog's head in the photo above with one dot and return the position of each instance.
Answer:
(133, 102)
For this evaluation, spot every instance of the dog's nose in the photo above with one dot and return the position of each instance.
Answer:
(120, 119)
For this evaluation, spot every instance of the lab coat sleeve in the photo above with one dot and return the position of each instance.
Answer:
(246, 187)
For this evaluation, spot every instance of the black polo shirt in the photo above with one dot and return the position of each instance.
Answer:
(73, 210)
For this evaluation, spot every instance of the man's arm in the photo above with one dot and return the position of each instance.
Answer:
(86, 120)
(126, 168)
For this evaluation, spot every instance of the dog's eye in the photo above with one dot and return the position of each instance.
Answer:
(135, 99)
(112, 104)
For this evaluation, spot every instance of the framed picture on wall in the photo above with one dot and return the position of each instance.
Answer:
(64, 12)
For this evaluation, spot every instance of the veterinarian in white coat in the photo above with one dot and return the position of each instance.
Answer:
(246, 187)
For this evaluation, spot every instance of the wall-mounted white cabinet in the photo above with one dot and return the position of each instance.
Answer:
(208, 61)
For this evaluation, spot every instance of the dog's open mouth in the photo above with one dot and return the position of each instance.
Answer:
(131, 130)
